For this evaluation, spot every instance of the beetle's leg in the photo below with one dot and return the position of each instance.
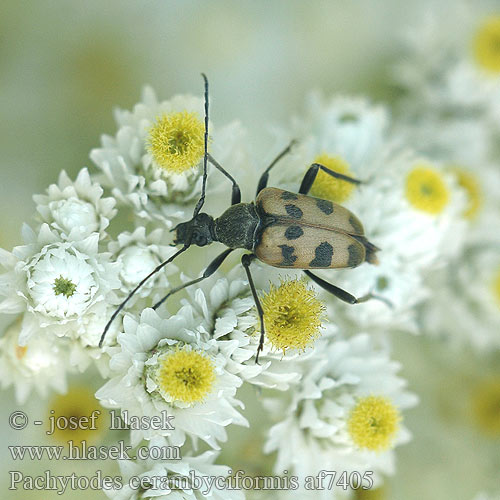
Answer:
(342, 294)
(245, 261)
(132, 293)
(211, 268)
(312, 172)
(236, 194)
(265, 176)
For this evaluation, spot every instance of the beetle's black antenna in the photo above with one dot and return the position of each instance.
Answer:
(211, 268)
(205, 155)
(188, 242)
(131, 294)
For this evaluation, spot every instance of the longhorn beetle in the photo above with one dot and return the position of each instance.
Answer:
(281, 228)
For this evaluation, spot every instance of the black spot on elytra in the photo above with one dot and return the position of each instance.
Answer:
(288, 257)
(293, 232)
(355, 257)
(325, 206)
(356, 225)
(323, 255)
(293, 211)
(286, 195)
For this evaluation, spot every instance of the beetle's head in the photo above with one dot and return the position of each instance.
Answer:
(198, 231)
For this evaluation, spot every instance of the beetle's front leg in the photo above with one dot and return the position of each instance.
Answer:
(246, 261)
(211, 268)
(236, 192)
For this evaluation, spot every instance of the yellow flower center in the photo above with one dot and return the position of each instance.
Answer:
(487, 45)
(373, 423)
(486, 407)
(176, 141)
(72, 412)
(186, 375)
(327, 187)
(426, 190)
(292, 315)
(496, 287)
(471, 186)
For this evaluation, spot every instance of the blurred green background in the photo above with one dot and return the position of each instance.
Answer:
(65, 65)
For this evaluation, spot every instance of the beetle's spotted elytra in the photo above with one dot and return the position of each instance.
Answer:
(280, 228)
(308, 233)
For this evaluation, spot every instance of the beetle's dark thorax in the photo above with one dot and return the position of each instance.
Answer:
(238, 226)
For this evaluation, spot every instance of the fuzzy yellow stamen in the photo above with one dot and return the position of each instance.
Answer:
(487, 45)
(186, 375)
(373, 423)
(292, 315)
(176, 141)
(471, 186)
(496, 287)
(426, 190)
(327, 187)
(77, 403)
(486, 407)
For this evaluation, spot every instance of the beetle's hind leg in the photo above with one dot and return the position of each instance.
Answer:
(246, 261)
(265, 176)
(342, 294)
(312, 172)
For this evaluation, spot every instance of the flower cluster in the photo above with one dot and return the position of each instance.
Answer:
(459, 84)
(344, 414)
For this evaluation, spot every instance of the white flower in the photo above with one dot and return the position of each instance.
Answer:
(192, 477)
(321, 427)
(138, 255)
(154, 349)
(227, 314)
(411, 239)
(41, 365)
(351, 128)
(465, 304)
(153, 191)
(451, 65)
(76, 209)
(453, 141)
(57, 282)
(84, 340)
(465, 154)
